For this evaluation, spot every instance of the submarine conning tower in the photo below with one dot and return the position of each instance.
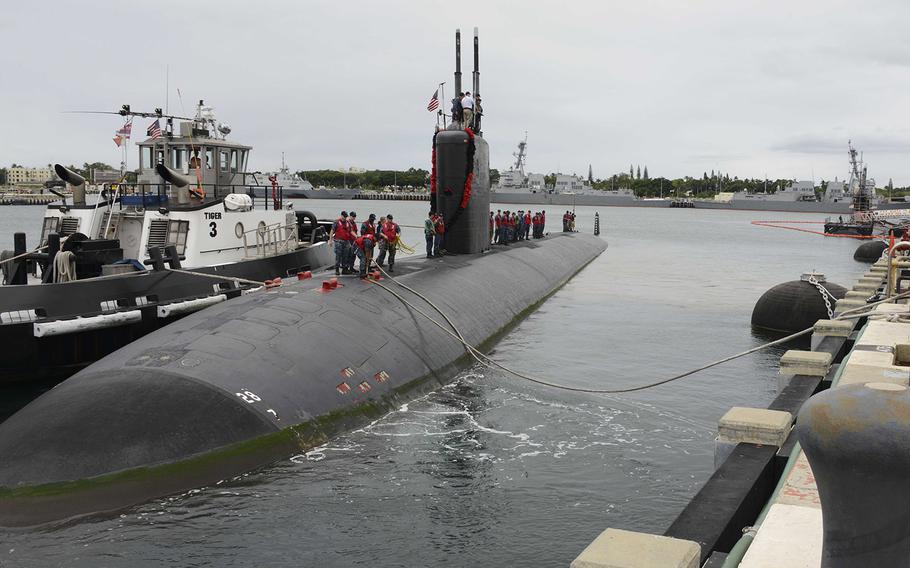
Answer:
(463, 177)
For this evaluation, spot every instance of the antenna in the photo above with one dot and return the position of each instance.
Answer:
(167, 87)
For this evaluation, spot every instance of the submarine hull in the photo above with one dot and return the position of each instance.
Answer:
(252, 380)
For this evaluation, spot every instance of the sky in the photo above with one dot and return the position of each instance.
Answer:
(752, 88)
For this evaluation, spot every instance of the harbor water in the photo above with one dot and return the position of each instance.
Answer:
(492, 470)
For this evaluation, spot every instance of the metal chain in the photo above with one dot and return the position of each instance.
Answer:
(825, 294)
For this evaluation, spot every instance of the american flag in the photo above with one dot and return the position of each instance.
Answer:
(434, 102)
(154, 130)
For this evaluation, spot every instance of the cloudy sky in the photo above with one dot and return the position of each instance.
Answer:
(749, 87)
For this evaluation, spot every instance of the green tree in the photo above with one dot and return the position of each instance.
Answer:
(3, 174)
(494, 176)
(631, 173)
(638, 172)
(646, 172)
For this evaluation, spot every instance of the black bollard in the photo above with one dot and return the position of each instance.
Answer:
(53, 247)
(173, 259)
(856, 439)
(596, 224)
(19, 248)
(155, 259)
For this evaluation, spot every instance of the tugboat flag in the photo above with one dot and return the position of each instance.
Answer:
(126, 130)
(434, 102)
(154, 130)
(123, 133)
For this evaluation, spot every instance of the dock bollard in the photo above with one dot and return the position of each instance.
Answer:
(856, 438)
(20, 274)
(596, 224)
(616, 548)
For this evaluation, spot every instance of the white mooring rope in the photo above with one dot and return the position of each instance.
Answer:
(486, 361)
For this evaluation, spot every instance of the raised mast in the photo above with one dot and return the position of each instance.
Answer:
(457, 62)
(476, 85)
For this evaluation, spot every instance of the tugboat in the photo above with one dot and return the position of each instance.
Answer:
(190, 233)
(862, 222)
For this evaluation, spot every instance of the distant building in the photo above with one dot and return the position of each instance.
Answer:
(105, 176)
(23, 176)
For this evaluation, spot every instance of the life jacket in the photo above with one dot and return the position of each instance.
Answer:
(352, 228)
(439, 226)
(367, 228)
(498, 221)
(390, 231)
(361, 242)
(527, 218)
(341, 229)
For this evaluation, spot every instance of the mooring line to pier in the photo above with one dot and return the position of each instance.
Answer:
(486, 361)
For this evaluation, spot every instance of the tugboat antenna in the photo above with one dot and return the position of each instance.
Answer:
(125, 110)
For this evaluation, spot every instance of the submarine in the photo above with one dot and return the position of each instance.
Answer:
(258, 378)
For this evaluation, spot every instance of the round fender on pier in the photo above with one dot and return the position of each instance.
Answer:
(796, 305)
(870, 251)
(856, 439)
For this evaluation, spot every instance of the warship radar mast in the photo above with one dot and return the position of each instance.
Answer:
(521, 156)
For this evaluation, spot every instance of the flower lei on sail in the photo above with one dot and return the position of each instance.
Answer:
(468, 179)
(469, 170)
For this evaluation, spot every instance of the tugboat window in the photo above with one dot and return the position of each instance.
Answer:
(234, 158)
(209, 158)
(50, 226)
(146, 157)
(177, 158)
(225, 160)
(176, 234)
